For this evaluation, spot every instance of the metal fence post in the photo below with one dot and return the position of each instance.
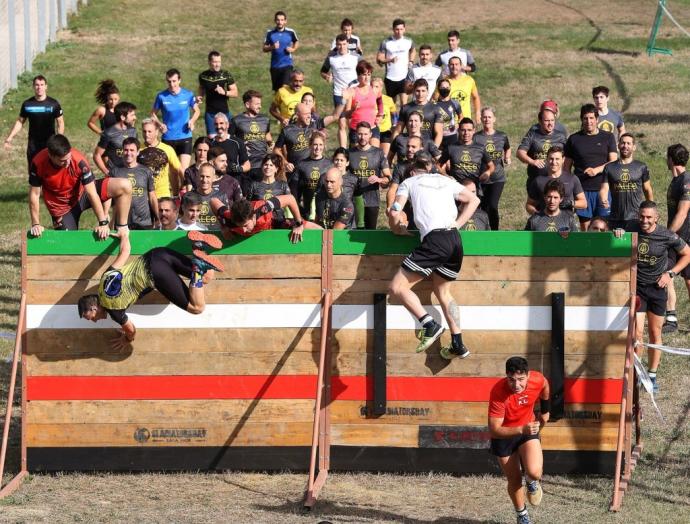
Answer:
(13, 42)
(28, 55)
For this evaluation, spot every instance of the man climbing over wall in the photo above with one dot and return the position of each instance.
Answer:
(123, 283)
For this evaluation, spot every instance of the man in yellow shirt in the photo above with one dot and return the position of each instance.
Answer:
(288, 96)
(464, 89)
(167, 182)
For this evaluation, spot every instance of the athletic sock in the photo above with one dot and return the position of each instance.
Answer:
(197, 279)
(426, 320)
(652, 374)
(521, 512)
(457, 340)
(671, 313)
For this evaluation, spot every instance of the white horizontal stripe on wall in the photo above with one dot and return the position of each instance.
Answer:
(472, 318)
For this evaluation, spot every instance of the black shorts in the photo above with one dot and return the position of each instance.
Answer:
(672, 259)
(652, 298)
(440, 251)
(181, 147)
(387, 137)
(70, 220)
(280, 76)
(505, 447)
(394, 87)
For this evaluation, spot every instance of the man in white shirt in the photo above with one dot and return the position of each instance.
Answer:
(397, 53)
(340, 69)
(435, 199)
(424, 69)
(467, 64)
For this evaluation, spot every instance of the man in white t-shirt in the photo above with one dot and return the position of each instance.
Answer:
(467, 64)
(340, 69)
(397, 53)
(425, 69)
(434, 199)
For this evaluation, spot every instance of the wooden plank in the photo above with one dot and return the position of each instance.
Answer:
(497, 342)
(405, 435)
(184, 412)
(95, 342)
(531, 269)
(250, 291)
(239, 362)
(478, 293)
(167, 434)
(74, 267)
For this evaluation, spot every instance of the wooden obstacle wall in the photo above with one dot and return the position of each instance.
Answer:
(234, 388)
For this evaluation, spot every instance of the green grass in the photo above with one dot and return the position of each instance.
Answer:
(526, 51)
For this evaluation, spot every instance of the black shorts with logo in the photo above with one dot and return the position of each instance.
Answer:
(652, 298)
(505, 447)
(440, 251)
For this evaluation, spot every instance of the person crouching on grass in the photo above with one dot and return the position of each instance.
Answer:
(434, 199)
(515, 432)
(245, 218)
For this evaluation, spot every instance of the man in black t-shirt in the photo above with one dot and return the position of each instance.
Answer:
(217, 86)
(144, 208)
(539, 139)
(398, 148)
(587, 152)
(432, 124)
(108, 152)
(654, 276)
(466, 159)
(369, 164)
(678, 205)
(574, 196)
(552, 218)
(44, 115)
(627, 181)
(254, 129)
(333, 209)
(236, 151)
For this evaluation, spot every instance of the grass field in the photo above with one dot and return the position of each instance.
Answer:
(526, 51)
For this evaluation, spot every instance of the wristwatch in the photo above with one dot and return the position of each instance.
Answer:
(103, 222)
(296, 223)
(671, 273)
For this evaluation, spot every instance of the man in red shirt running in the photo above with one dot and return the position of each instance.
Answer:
(515, 432)
(69, 188)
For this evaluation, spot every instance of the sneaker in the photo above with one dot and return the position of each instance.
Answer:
(451, 352)
(200, 240)
(524, 519)
(429, 335)
(534, 492)
(202, 262)
(655, 385)
(670, 324)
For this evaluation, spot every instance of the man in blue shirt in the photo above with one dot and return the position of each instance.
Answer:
(174, 104)
(281, 42)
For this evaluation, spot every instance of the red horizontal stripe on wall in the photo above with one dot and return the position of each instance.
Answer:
(156, 387)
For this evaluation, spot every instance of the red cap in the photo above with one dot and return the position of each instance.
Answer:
(551, 105)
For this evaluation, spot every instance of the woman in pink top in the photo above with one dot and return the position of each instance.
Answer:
(364, 105)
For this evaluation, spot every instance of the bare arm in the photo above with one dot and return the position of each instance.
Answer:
(438, 134)
(580, 201)
(156, 120)
(395, 216)
(647, 189)
(568, 164)
(195, 116)
(16, 128)
(102, 231)
(153, 204)
(604, 194)
(523, 157)
(94, 120)
(531, 206)
(476, 104)
(681, 215)
(34, 212)
(294, 47)
(98, 159)
(470, 203)
(275, 113)
(125, 249)
(60, 121)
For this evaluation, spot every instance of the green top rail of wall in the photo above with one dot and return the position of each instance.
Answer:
(383, 242)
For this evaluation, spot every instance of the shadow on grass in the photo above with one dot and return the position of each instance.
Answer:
(325, 510)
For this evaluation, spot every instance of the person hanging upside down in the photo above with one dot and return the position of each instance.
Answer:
(246, 218)
(123, 283)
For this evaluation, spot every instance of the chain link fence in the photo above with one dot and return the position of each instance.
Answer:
(26, 27)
